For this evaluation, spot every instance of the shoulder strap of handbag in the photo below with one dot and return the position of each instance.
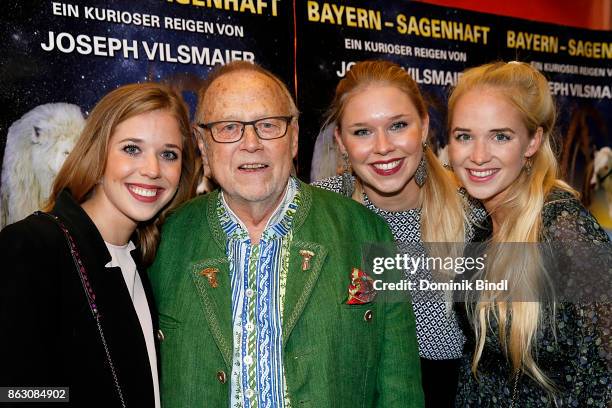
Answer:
(90, 295)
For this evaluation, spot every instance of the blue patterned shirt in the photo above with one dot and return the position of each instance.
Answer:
(258, 280)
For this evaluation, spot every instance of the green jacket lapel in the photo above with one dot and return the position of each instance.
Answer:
(212, 281)
(301, 280)
(216, 301)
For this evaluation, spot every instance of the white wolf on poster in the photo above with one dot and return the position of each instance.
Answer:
(602, 171)
(36, 147)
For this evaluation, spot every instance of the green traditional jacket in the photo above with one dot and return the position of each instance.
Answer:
(335, 355)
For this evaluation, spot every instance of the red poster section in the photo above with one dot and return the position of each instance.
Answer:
(593, 14)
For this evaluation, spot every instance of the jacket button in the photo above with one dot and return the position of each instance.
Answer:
(367, 316)
(221, 377)
(160, 335)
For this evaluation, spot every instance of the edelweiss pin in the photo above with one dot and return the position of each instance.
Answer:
(211, 275)
(306, 255)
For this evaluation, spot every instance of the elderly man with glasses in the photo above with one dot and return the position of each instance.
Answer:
(253, 281)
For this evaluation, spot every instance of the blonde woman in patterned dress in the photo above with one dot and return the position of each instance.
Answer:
(525, 353)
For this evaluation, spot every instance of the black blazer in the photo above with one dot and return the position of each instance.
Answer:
(48, 336)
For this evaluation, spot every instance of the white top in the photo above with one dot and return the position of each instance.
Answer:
(121, 258)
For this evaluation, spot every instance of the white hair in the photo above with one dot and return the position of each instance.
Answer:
(36, 147)
(602, 165)
(325, 157)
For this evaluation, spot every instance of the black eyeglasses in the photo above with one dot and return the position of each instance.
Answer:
(231, 131)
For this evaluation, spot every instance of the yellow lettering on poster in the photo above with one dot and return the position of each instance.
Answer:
(343, 15)
(589, 49)
(532, 42)
(442, 29)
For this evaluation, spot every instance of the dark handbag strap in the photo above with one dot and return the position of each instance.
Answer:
(90, 295)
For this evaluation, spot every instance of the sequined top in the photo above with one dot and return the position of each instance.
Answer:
(572, 346)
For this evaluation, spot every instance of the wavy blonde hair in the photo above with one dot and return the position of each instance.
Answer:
(85, 165)
(442, 212)
(527, 90)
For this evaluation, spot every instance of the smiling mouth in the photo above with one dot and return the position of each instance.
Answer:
(482, 175)
(146, 194)
(253, 166)
(387, 168)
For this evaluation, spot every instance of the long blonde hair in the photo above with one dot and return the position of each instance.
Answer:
(527, 90)
(86, 163)
(442, 213)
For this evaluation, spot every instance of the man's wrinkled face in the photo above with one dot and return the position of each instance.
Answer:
(252, 170)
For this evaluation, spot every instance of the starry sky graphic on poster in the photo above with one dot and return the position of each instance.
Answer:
(33, 76)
